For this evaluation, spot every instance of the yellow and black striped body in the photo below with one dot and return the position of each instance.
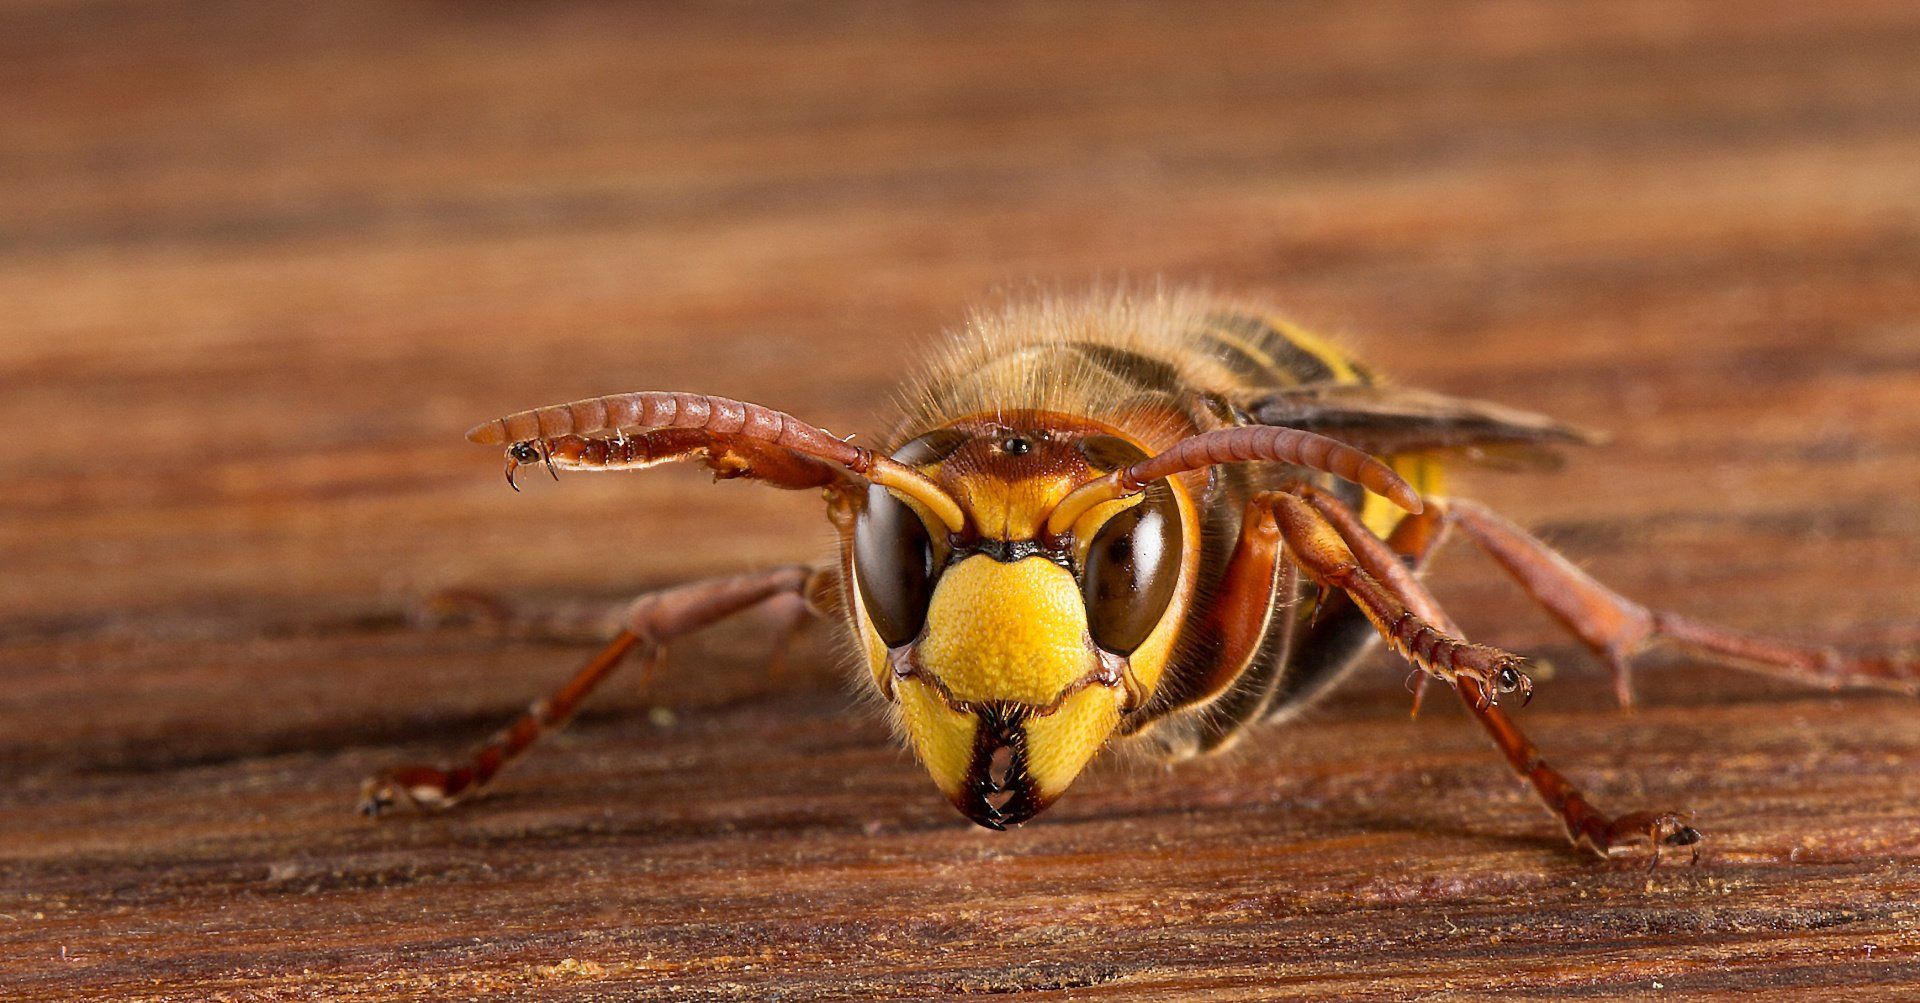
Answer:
(1154, 369)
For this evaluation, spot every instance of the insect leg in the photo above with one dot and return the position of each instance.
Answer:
(792, 614)
(1342, 632)
(1386, 591)
(1266, 656)
(1585, 824)
(652, 621)
(580, 621)
(1617, 629)
(565, 620)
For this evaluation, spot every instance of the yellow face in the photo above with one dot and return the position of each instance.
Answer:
(1013, 656)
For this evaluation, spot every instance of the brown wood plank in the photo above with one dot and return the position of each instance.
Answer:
(260, 265)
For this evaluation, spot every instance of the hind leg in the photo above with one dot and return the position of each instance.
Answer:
(1617, 629)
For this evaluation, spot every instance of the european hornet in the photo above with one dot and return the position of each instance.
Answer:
(1152, 520)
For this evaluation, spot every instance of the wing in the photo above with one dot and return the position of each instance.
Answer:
(1387, 421)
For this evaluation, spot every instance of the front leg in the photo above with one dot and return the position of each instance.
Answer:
(1417, 536)
(1388, 594)
(652, 621)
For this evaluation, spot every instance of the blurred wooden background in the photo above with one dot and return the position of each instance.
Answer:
(261, 264)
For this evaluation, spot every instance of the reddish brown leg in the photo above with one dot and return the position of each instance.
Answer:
(1387, 593)
(653, 620)
(1415, 538)
(567, 620)
(791, 615)
(1617, 629)
(1585, 825)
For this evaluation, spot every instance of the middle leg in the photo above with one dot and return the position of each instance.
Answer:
(652, 621)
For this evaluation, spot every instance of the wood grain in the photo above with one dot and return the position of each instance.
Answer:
(261, 264)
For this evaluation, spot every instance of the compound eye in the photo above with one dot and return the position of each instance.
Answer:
(893, 561)
(1132, 567)
(523, 452)
(892, 552)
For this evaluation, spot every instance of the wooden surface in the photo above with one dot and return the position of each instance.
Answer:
(261, 264)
